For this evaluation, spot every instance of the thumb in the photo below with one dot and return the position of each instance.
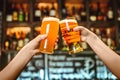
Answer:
(78, 28)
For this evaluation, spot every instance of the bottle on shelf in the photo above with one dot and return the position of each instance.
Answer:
(26, 12)
(8, 39)
(64, 11)
(75, 13)
(93, 12)
(110, 12)
(109, 42)
(14, 13)
(83, 13)
(9, 13)
(104, 35)
(118, 11)
(20, 40)
(7, 43)
(103, 8)
(26, 39)
(52, 11)
(26, 17)
(110, 39)
(98, 32)
(99, 13)
(14, 42)
(20, 13)
(45, 11)
(37, 12)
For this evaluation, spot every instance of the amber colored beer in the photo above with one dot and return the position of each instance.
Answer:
(50, 26)
(71, 37)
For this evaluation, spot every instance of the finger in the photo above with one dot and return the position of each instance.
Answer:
(40, 37)
(55, 43)
(56, 40)
(78, 28)
(36, 52)
(83, 38)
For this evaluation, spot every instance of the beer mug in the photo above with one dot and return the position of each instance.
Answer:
(71, 37)
(50, 26)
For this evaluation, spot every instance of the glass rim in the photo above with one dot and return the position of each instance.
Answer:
(50, 19)
(67, 20)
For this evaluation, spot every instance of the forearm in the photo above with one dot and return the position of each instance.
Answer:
(13, 69)
(107, 55)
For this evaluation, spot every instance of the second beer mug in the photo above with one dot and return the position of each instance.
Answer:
(71, 37)
(50, 26)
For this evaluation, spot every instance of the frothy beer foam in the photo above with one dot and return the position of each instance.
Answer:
(50, 19)
(68, 20)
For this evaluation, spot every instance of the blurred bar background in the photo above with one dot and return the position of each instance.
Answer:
(20, 21)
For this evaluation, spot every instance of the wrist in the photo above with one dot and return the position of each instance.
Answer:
(91, 39)
(27, 52)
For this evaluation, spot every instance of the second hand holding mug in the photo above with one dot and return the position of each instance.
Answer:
(71, 37)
